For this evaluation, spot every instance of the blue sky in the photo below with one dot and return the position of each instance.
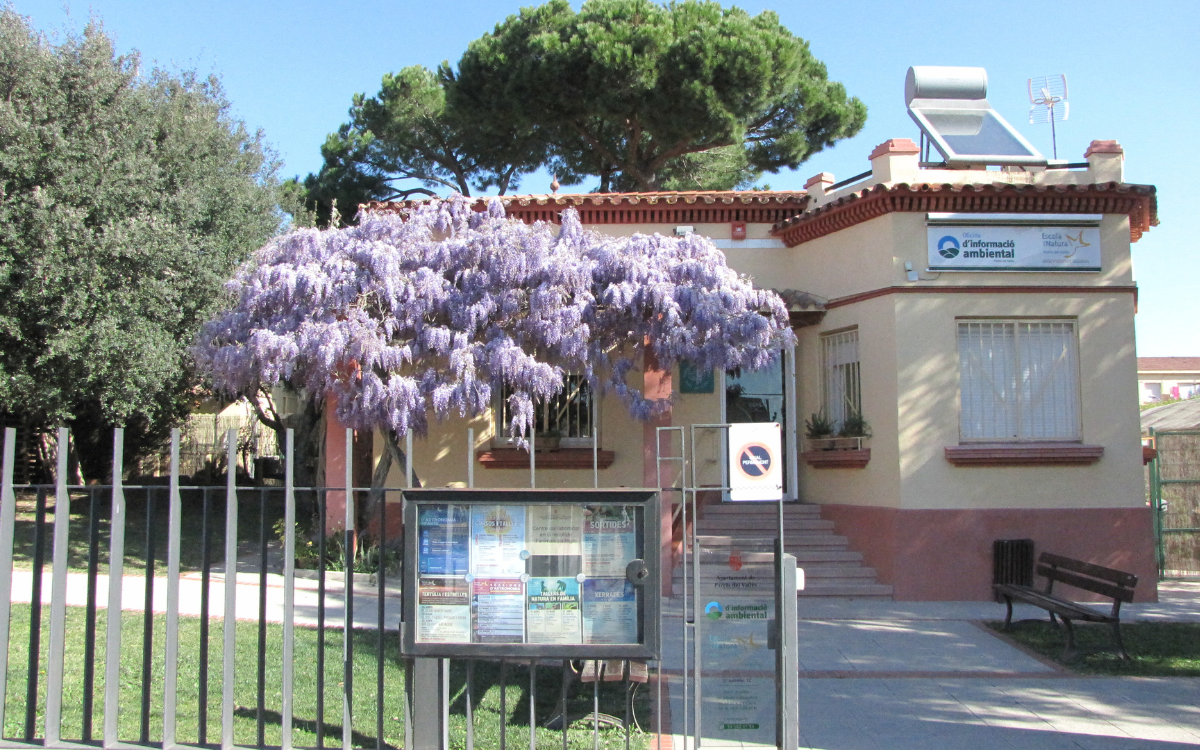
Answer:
(290, 68)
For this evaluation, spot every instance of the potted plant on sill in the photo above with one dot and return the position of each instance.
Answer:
(839, 447)
(818, 432)
(854, 431)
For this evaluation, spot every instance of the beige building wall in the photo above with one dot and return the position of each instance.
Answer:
(928, 405)
(909, 374)
(878, 483)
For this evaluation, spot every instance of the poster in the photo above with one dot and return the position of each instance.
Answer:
(497, 538)
(554, 530)
(609, 611)
(609, 540)
(444, 538)
(498, 610)
(552, 611)
(443, 610)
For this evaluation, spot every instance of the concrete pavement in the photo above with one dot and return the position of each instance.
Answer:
(133, 596)
(900, 675)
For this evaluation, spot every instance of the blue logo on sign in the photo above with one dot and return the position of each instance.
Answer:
(948, 247)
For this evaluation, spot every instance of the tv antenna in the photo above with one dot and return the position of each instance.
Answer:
(1048, 94)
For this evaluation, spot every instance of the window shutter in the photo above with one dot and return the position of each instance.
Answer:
(842, 384)
(1018, 380)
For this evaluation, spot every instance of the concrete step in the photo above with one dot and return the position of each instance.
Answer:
(729, 525)
(856, 590)
(818, 571)
(803, 557)
(759, 509)
(747, 530)
(793, 542)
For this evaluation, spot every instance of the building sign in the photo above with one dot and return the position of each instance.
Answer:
(755, 461)
(1014, 248)
(531, 572)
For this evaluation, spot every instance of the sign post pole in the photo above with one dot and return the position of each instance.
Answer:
(787, 656)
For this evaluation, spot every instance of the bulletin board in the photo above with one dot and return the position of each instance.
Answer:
(531, 573)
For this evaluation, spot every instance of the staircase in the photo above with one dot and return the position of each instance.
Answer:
(743, 535)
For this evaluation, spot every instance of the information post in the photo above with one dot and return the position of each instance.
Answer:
(531, 573)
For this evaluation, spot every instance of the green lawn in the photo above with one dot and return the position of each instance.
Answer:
(487, 690)
(1159, 649)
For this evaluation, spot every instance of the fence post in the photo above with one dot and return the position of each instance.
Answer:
(228, 674)
(289, 582)
(8, 503)
(116, 572)
(348, 609)
(171, 675)
(58, 596)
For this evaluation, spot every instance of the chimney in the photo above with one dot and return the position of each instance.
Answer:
(817, 185)
(1106, 161)
(896, 160)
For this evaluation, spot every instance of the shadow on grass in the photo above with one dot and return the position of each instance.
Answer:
(331, 731)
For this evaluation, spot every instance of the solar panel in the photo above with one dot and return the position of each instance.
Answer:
(948, 105)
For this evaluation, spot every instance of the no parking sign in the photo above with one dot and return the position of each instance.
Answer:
(755, 461)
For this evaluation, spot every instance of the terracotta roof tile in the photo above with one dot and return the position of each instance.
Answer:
(666, 207)
(1138, 201)
(1168, 364)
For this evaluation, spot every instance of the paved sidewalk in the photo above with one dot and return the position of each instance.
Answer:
(900, 675)
(133, 597)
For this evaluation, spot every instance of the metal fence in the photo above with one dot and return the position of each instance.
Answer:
(183, 671)
(1174, 483)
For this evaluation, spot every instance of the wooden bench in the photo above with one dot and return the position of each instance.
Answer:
(1114, 584)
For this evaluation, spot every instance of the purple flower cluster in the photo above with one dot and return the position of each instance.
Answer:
(435, 310)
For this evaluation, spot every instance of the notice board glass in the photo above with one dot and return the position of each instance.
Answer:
(531, 573)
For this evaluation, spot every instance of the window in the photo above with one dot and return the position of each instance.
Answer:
(1153, 392)
(841, 387)
(569, 414)
(1019, 380)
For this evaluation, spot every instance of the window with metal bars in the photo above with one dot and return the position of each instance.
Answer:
(569, 414)
(1018, 380)
(841, 386)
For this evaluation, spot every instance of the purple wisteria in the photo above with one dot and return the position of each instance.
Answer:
(437, 309)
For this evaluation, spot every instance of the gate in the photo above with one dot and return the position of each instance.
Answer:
(736, 682)
(1174, 479)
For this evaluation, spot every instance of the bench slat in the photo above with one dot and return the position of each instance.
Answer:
(1119, 577)
(1087, 584)
(1050, 603)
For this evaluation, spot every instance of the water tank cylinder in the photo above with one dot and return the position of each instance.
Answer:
(938, 82)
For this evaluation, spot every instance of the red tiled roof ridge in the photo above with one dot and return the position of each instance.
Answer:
(1167, 364)
(879, 199)
(597, 199)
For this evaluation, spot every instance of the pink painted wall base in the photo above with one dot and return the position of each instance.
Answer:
(946, 555)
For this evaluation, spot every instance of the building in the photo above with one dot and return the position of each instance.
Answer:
(980, 320)
(1167, 377)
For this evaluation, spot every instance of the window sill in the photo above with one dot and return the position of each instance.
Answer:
(564, 458)
(837, 459)
(1024, 454)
